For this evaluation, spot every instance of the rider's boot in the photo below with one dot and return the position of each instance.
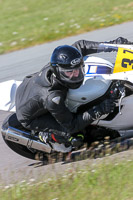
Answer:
(77, 141)
(60, 143)
(51, 138)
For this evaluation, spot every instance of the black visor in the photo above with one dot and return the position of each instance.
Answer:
(73, 75)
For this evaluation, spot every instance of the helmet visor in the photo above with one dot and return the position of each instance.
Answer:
(72, 75)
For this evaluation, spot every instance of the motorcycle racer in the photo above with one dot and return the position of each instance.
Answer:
(40, 99)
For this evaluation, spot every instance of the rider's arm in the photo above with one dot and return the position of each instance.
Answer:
(86, 47)
(70, 122)
(89, 47)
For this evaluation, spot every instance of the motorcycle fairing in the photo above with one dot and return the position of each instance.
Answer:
(123, 121)
(8, 91)
(96, 65)
(94, 85)
(124, 60)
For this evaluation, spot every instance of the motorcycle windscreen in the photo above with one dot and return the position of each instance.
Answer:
(101, 62)
(121, 56)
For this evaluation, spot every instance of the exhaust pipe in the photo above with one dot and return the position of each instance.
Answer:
(15, 136)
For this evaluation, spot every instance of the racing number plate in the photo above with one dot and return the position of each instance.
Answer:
(124, 60)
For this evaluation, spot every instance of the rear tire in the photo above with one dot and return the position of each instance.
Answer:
(20, 149)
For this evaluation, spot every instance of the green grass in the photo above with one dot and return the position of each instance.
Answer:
(106, 181)
(30, 22)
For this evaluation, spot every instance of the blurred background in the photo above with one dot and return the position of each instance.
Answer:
(30, 22)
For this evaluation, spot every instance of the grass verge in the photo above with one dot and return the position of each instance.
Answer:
(106, 181)
(26, 23)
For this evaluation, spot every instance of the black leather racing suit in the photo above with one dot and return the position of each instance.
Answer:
(40, 100)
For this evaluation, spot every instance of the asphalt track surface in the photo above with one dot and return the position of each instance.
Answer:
(16, 65)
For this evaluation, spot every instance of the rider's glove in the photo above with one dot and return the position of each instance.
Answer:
(106, 107)
(120, 40)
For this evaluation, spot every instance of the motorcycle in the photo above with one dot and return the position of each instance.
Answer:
(108, 74)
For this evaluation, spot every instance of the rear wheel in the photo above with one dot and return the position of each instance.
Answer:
(20, 149)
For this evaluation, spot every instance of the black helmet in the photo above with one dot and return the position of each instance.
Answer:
(68, 66)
